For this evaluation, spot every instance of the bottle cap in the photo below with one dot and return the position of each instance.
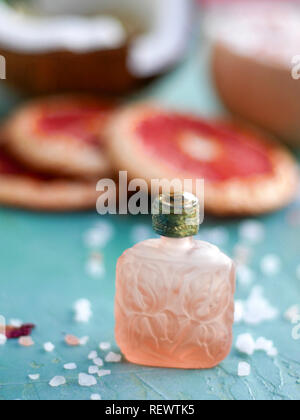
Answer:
(176, 215)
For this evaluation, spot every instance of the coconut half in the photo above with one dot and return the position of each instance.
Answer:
(150, 36)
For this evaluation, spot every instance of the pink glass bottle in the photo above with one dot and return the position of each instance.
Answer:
(175, 295)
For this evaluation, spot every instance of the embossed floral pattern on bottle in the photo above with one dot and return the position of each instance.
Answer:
(175, 304)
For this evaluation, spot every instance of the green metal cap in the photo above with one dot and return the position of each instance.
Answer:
(176, 215)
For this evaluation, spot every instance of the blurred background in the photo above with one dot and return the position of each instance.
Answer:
(210, 58)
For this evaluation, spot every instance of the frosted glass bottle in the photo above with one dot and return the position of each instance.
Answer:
(175, 296)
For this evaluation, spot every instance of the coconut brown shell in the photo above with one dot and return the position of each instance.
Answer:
(41, 73)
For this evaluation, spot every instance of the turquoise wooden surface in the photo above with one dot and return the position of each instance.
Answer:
(43, 261)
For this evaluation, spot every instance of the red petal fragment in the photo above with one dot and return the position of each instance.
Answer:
(23, 331)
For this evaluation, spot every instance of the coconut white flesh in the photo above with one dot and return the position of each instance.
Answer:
(167, 40)
(30, 33)
(91, 25)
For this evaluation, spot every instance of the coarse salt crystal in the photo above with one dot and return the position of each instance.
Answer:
(252, 231)
(72, 341)
(49, 347)
(70, 366)
(293, 314)
(95, 266)
(245, 275)
(98, 362)
(34, 377)
(244, 369)
(104, 346)
(99, 235)
(262, 344)
(16, 323)
(84, 340)
(104, 372)
(57, 381)
(82, 310)
(270, 265)
(93, 355)
(3, 339)
(82, 304)
(86, 380)
(95, 397)
(257, 309)
(26, 341)
(113, 357)
(245, 344)
(272, 352)
(93, 370)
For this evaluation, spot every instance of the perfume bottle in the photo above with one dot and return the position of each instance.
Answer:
(175, 295)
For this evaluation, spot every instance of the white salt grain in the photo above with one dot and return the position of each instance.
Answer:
(16, 323)
(270, 265)
(104, 372)
(93, 370)
(293, 314)
(93, 355)
(95, 267)
(245, 344)
(57, 381)
(82, 310)
(244, 369)
(262, 344)
(98, 361)
(49, 347)
(245, 275)
(70, 366)
(3, 339)
(84, 340)
(99, 235)
(86, 380)
(272, 352)
(95, 397)
(113, 357)
(34, 377)
(104, 346)
(252, 231)
(257, 309)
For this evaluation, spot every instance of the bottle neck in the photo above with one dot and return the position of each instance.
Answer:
(178, 243)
